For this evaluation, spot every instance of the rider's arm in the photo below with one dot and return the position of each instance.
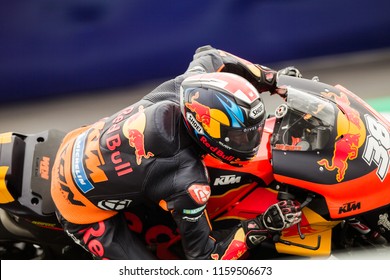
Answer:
(208, 59)
(187, 198)
(200, 242)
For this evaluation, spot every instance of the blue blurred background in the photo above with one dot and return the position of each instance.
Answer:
(52, 48)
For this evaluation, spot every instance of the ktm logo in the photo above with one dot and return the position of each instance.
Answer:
(70, 195)
(350, 206)
(44, 168)
(227, 180)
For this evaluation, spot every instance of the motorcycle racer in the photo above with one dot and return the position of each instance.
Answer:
(151, 152)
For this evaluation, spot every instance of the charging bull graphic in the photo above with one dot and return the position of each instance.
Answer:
(345, 149)
(343, 101)
(202, 112)
(351, 134)
(134, 129)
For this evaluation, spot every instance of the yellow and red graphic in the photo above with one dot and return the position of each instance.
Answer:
(5, 195)
(351, 134)
(200, 193)
(202, 112)
(134, 129)
(236, 249)
(211, 119)
(312, 226)
(345, 149)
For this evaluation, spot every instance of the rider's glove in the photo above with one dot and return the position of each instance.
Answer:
(277, 217)
(290, 71)
(281, 215)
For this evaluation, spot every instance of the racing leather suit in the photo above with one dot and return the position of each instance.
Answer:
(141, 154)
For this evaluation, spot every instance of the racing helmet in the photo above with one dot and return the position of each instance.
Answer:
(224, 114)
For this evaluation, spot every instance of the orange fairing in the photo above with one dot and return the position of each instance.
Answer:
(351, 197)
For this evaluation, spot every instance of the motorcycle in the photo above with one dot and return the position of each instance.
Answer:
(323, 146)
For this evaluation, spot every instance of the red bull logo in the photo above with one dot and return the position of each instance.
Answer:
(345, 149)
(206, 119)
(202, 113)
(134, 129)
(351, 134)
(343, 101)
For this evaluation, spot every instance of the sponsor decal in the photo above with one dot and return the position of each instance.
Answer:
(347, 143)
(91, 238)
(114, 204)
(93, 158)
(45, 225)
(216, 150)
(202, 112)
(192, 219)
(345, 149)
(256, 111)
(193, 211)
(199, 193)
(257, 239)
(197, 126)
(134, 129)
(114, 142)
(350, 206)
(377, 148)
(78, 171)
(227, 180)
(44, 168)
(64, 185)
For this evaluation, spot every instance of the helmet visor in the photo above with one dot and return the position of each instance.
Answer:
(242, 139)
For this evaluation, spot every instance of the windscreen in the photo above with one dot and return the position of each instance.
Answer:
(305, 122)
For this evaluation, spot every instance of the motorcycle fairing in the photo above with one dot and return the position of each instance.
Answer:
(229, 184)
(351, 170)
(25, 164)
(312, 226)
